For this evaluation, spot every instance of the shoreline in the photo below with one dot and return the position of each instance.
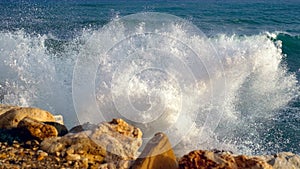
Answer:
(31, 138)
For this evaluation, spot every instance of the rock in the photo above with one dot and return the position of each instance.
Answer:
(52, 145)
(10, 116)
(15, 134)
(200, 159)
(283, 160)
(61, 129)
(107, 166)
(37, 129)
(243, 161)
(120, 140)
(84, 127)
(115, 142)
(124, 128)
(73, 157)
(158, 154)
(41, 155)
(59, 119)
(5, 108)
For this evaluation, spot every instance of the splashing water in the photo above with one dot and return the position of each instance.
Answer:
(33, 76)
(153, 81)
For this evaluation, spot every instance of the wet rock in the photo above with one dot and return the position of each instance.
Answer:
(201, 159)
(61, 129)
(10, 116)
(283, 160)
(15, 134)
(83, 127)
(158, 154)
(37, 129)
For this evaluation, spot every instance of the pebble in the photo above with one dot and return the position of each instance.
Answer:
(73, 157)
(70, 151)
(43, 154)
(57, 159)
(16, 145)
(31, 153)
(85, 163)
(57, 154)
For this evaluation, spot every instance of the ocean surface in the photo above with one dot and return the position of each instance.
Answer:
(245, 100)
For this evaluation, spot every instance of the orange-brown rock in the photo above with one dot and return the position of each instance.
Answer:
(37, 129)
(125, 129)
(158, 154)
(243, 161)
(200, 159)
(10, 116)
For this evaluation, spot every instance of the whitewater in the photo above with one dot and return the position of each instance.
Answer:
(223, 92)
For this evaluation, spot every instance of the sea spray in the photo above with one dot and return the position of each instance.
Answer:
(31, 75)
(258, 85)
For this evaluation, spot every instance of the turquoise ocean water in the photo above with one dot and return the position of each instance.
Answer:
(258, 43)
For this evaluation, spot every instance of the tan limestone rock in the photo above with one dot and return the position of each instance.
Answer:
(10, 116)
(158, 154)
(114, 142)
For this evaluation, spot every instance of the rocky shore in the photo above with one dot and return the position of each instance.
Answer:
(33, 138)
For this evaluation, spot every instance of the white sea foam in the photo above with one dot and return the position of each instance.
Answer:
(257, 83)
(33, 76)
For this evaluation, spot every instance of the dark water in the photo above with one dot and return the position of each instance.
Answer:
(52, 32)
(65, 19)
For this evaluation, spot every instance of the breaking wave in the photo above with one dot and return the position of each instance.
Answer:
(246, 89)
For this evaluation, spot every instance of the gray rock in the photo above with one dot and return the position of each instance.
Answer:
(113, 142)
(83, 127)
(283, 160)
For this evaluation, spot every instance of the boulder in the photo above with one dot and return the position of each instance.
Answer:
(201, 159)
(71, 146)
(5, 108)
(37, 129)
(115, 143)
(158, 154)
(11, 135)
(119, 138)
(10, 116)
(283, 160)
(246, 162)
(83, 127)
(61, 129)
